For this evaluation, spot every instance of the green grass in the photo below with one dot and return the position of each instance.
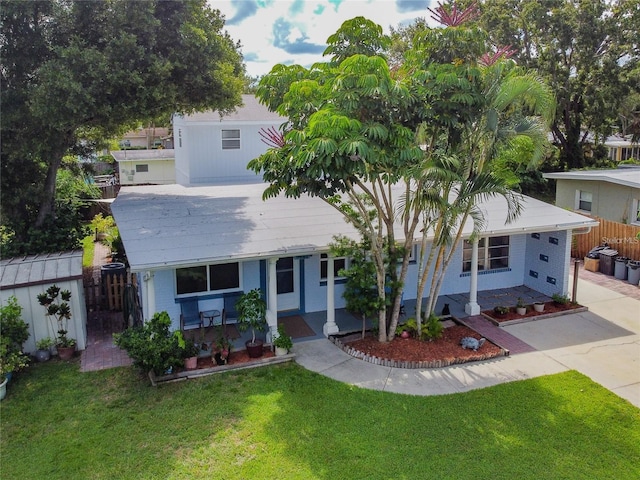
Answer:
(288, 423)
(87, 251)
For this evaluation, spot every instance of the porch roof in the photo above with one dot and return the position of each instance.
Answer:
(173, 225)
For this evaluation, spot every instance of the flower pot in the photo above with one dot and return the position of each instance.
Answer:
(521, 310)
(281, 351)
(538, 307)
(66, 353)
(254, 349)
(3, 388)
(191, 363)
(43, 355)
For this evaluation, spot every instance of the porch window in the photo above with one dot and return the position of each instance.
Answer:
(493, 253)
(584, 200)
(142, 168)
(208, 278)
(635, 212)
(339, 263)
(230, 139)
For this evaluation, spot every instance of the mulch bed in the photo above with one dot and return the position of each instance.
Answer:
(413, 353)
(236, 357)
(550, 309)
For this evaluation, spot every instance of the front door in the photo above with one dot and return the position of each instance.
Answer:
(287, 273)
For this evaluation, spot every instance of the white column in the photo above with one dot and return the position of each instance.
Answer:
(272, 298)
(472, 308)
(330, 327)
(150, 289)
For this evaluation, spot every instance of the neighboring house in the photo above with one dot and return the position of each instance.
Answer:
(212, 235)
(622, 148)
(147, 138)
(26, 277)
(610, 194)
(146, 167)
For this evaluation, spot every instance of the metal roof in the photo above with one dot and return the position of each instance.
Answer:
(148, 155)
(39, 269)
(629, 177)
(173, 225)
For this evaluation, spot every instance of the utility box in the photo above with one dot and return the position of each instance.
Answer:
(607, 261)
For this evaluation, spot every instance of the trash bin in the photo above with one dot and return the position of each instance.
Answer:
(607, 260)
(633, 272)
(111, 270)
(620, 270)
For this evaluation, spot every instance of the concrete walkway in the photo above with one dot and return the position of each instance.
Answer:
(603, 344)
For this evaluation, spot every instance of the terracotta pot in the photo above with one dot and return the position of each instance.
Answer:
(66, 353)
(404, 334)
(191, 363)
(254, 349)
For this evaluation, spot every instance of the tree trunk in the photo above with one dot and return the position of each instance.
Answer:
(53, 158)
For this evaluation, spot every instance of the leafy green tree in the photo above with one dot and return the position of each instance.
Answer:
(583, 49)
(72, 69)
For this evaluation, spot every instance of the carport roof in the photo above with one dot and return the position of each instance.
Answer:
(165, 226)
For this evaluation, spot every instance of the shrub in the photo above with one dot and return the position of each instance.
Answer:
(283, 340)
(560, 299)
(152, 347)
(432, 328)
(500, 310)
(12, 327)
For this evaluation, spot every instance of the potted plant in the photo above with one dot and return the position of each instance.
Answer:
(14, 331)
(222, 350)
(60, 310)
(500, 310)
(252, 311)
(538, 306)
(43, 346)
(191, 351)
(282, 342)
(521, 308)
(10, 361)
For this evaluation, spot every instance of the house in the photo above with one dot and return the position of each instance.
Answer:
(146, 167)
(622, 148)
(26, 277)
(147, 138)
(610, 194)
(211, 234)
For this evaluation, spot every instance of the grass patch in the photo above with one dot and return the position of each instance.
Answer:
(288, 423)
(87, 251)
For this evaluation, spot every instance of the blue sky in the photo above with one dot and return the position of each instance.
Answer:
(295, 31)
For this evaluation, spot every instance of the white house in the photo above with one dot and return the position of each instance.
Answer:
(146, 167)
(212, 235)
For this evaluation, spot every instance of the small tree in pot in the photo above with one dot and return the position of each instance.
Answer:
(252, 311)
(61, 311)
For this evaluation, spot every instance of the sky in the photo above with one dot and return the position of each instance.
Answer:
(295, 31)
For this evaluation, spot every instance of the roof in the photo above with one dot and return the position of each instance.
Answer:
(251, 110)
(173, 225)
(629, 177)
(39, 269)
(158, 154)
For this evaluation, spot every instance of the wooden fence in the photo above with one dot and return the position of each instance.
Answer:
(108, 295)
(621, 237)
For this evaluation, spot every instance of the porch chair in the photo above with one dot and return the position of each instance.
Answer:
(190, 314)
(229, 312)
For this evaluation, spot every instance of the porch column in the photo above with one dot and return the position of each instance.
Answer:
(272, 298)
(472, 308)
(330, 327)
(150, 290)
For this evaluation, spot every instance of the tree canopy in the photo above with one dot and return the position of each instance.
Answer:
(74, 71)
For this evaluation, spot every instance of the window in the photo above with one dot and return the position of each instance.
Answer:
(142, 168)
(206, 278)
(339, 263)
(230, 139)
(635, 212)
(584, 200)
(493, 253)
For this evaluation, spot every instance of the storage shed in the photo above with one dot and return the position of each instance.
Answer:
(26, 277)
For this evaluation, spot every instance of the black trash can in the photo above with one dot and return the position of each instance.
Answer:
(111, 270)
(607, 261)
(620, 271)
(633, 272)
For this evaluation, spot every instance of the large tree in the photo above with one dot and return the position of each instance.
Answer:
(584, 49)
(73, 71)
(392, 149)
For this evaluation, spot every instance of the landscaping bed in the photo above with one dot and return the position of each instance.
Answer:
(414, 353)
(551, 309)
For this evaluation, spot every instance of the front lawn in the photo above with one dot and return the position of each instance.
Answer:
(284, 422)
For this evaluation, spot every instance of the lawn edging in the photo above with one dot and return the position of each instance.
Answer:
(203, 372)
(532, 318)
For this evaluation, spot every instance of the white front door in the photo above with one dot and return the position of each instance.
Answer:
(288, 277)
